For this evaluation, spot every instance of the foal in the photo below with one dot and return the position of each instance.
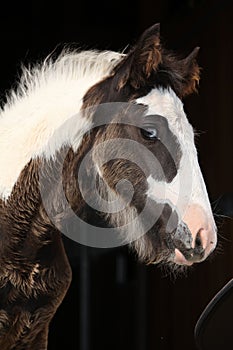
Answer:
(95, 145)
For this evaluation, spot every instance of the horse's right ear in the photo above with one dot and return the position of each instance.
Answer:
(141, 61)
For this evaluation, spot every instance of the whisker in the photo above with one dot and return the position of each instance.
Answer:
(215, 203)
(224, 216)
(224, 238)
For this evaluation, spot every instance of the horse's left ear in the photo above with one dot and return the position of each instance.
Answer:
(143, 59)
(190, 72)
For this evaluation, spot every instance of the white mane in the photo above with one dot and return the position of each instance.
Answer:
(47, 96)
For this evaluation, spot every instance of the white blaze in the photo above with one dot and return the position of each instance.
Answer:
(187, 189)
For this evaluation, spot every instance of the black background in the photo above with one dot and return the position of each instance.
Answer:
(115, 302)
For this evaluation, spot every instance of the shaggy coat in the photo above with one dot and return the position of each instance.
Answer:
(34, 270)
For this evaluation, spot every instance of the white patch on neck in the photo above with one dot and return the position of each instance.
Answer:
(188, 186)
(31, 122)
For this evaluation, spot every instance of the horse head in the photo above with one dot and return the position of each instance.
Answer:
(142, 158)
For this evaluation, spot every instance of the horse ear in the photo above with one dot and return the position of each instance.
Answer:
(190, 73)
(143, 59)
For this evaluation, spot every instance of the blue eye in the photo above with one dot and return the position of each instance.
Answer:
(149, 133)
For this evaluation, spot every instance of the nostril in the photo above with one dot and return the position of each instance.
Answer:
(198, 242)
(199, 250)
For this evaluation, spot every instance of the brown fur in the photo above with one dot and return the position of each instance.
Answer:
(147, 65)
(34, 271)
